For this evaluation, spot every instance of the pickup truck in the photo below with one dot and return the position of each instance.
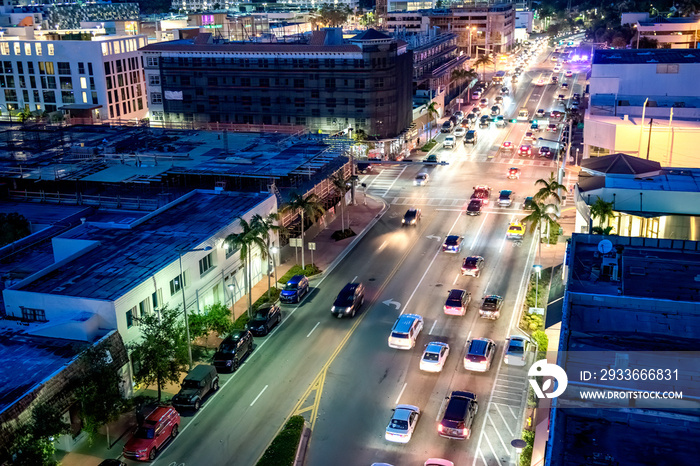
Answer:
(459, 415)
(505, 198)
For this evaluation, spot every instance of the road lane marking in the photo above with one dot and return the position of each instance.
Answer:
(510, 431)
(432, 328)
(456, 278)
(353, 280)
(401, 393)
(382, 246)
(442, 405)
(490, 446)
(478, 232)
(394, 182)
(312, 330)
(499, 435)
(428, 268)
(503, 244)
(467, 342)
(259, 394)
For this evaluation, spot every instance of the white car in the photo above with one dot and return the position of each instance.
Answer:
(449, 142)
(459, 132)
(480, 352)
(557, 69)
(516, 350)
(421, 179)
(434, 356)
(405, 331)
(402, 424)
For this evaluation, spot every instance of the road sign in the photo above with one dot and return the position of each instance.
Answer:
(312, 246)
(295, 242)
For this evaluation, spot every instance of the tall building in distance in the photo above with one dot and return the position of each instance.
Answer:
(97, 78)
(324, 83)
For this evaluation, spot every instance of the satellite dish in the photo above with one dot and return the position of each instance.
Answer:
(605, 246)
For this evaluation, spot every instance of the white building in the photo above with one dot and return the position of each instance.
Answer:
(674, 33)
(106, 275)
(97, 79)
(645, 103)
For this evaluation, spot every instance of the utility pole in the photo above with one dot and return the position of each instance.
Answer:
(651, 121)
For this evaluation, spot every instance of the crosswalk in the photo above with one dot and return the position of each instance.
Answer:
(381, 183)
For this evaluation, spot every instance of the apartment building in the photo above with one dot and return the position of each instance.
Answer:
(324, 83)
(671, 33)
(642, 103)
(98, 78)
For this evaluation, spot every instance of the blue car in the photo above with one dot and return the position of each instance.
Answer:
(295, 289)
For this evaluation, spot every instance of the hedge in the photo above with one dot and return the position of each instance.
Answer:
(283, 448)
(309, 271)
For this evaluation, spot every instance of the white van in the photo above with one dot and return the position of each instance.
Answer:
(523, 114)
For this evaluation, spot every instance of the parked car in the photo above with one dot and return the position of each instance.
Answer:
(405, 331)
(349, 300)
(295, 289)
(411, 217)
(197, 384)
(233, 350)
(472, 266)
(516, 350)
(402, 424)
(453, 243)
(480, 353)
(434, 356)
(457, 302)
(459, 416)
(491, 307)
(266, 317)
(159, 427)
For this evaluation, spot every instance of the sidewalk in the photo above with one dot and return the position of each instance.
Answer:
(327, 255)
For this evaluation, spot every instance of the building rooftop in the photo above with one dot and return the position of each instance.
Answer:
(623, 164)
(28, 361)
(662, 20)
(126, 257)
(645, 56)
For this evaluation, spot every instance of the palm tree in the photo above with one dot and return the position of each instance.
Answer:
(310, 206)
(603, 211)
(341, 185)
(244, 241)
(458, 74)
(550, 189)
(264, 226)
(433, 112)
(540, 212)
(483, 61)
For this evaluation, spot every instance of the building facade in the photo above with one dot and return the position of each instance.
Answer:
(98, 78)
(670, 33)
(324, 84)
(482, 27)
(642, 103)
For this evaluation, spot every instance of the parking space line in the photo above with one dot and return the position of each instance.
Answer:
(510, 431)
(499, 435)
(491, 446)
(506, 398)
(511, 411)
(481, 453)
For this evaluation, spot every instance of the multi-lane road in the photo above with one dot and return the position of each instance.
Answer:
(341, 375)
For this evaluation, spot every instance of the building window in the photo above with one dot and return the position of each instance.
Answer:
(94, 98)
(206, 263)
(83, 83)
(130, 318)
(359, 84)
(667, 68)
(299, 84)
(49, 97)
(10, 95)
(4, 48)
(151, 61)
(28, 49)
(90, 68)
(85, 97)
(176, 283)
(63, 68)
(33, 315)
(49, 48)
(20, 68)
(154, 80)
(81, 68)
(67, 97)
(37, 47)
(144, 308)
(157, 299)
(156, 98)
(66, 83)
(30, 67)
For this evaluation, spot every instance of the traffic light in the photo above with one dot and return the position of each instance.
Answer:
(513, 120)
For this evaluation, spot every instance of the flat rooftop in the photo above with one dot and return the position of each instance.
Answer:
(645, 267)
(29, 360)
(645, 56)
(126, 257)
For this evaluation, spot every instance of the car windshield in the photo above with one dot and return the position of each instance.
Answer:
(398, 335)
(516, 228)
(291, 287)
(470, 262)
(451, 240)
(344, 300)
(147, 432)
(398, 424)
(421, 176)
(261, 315)
(431, 357)
(190, 384)
(516, 347)
(474, 205)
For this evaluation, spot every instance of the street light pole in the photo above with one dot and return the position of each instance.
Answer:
(184, 303)
(274, 250)
(537, 269)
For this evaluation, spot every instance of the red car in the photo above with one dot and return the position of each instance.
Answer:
(507, 145)
(513, 173)
(525, 150)
(482, 193)
(556, 114)
(160, 426)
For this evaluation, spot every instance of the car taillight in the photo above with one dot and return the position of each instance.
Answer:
(465, 432)
(483, 363)
(440, 428)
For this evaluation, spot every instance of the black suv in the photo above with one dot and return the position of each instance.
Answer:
(459, 416)
(470, 137)
(196, 385)
(349, 300)
(233, 350)
(265, 318)
(412, 217)
(474, 207)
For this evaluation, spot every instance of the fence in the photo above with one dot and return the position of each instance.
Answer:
(191, 125)
(85, 199)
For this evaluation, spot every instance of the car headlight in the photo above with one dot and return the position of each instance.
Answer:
(333, 309)
(403, 221)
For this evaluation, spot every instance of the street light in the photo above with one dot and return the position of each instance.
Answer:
(181, 279)
(274, 250)
(232, 289)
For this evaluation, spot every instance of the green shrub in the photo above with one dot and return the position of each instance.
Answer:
(342, 234)
(526, 454)
(553, 232)
(309, 271)
(531, 322)
(241, 321)
(542, 342)
(542, 289)
(429, 145)
(283, 448)
(274, 297)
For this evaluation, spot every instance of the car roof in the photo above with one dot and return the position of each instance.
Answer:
(456, 293)
(452, 238)
(435, 346)
(349, 288)
(404, 322)
(412, 210)
(296, 279)
(158, 413)
(478, 346)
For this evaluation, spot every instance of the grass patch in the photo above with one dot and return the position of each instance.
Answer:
(309, 271)
(274, 297)
(342, 234)
(283, 448)
(429, 145)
